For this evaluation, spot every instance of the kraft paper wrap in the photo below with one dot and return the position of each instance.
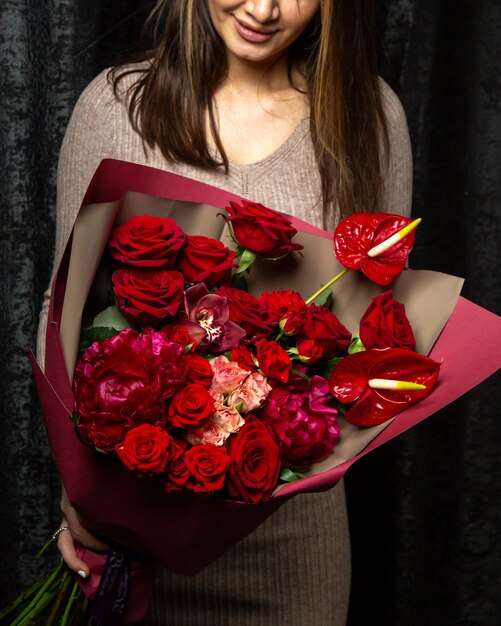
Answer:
(185, 531)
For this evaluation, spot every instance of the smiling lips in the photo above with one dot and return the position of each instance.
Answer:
(249, 34)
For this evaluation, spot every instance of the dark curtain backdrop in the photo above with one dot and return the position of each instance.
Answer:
(425, 514)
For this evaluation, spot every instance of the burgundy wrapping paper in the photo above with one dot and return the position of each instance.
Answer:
(185, 531)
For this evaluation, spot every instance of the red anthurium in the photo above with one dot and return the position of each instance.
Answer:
(361, 377)
(360, 233)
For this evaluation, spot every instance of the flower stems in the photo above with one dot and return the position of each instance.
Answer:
(46, 590)
(327, 285)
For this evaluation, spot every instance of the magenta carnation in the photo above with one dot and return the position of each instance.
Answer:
(303, 423)
(123, 382)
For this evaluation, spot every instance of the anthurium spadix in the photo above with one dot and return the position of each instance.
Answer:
(382, 383)
(376, 243)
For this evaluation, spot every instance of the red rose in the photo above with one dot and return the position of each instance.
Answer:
(285, 307)
(192, 406)
(178, 475)
(177, 333)
(385, 324)
(247, 312)
(326, 330)
(309, 350)
(199, 370)
(261, 230)
(206, 260)
(124, 381)
(255, 462)
(208, 464)
(273, 360)
(146, 241)
(145, 449)
(147, 297)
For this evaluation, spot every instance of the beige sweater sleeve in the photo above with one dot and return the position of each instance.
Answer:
(89, 138)
(398, 183)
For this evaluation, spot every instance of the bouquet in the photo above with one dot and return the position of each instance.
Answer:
(265, 392)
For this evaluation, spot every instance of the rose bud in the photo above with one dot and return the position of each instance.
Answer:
(261, 230)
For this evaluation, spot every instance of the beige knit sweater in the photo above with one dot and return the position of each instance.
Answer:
(295, 569)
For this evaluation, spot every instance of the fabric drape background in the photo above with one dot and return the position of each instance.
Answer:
(425, 509)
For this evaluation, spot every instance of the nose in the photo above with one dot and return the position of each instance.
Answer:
(263, 10)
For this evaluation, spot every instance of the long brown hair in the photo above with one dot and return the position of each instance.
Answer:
(337, 55)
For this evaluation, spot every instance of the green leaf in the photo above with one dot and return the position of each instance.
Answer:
(324, 299)
(300, 374)
(330, 365)
(89, 335)
(239, 282)
(246, 260)
(356, 344)
(287, 475)
(238, 250)
(111, 318)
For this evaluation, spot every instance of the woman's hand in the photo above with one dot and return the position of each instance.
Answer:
(76, 532)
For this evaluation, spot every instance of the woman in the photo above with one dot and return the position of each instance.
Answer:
(279, 101)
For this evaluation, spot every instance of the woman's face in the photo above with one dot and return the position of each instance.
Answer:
(262, 30)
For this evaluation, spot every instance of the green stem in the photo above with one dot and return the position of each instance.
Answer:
(44, 548)
(23, 597)
(32, 605)
(48, 597)
(327, 285)
(67, 612)
(60, 599)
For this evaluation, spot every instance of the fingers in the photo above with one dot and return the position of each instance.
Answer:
(77, 532)
(66, 547)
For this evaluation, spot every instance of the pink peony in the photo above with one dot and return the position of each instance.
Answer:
(301, 420)
(124, 381)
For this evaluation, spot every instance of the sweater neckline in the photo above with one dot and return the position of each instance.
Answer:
(277, 155)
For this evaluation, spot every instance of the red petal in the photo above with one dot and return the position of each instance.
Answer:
(360, 232)
(348, 379)
(349, 383)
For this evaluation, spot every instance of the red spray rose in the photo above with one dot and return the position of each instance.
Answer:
(199, 370)
(208, 464)
(327, 332)
(147, 242)
(285, 307)
(273, 360)
(360, 232)
(206, 260)
(255, 463)
(178, 475)
(262, 230)
(179, 334)
(247, 312)
(192, 406)
(243, 356)
(145, 449)
(350, 382)
(147, 297)
(385, 324)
